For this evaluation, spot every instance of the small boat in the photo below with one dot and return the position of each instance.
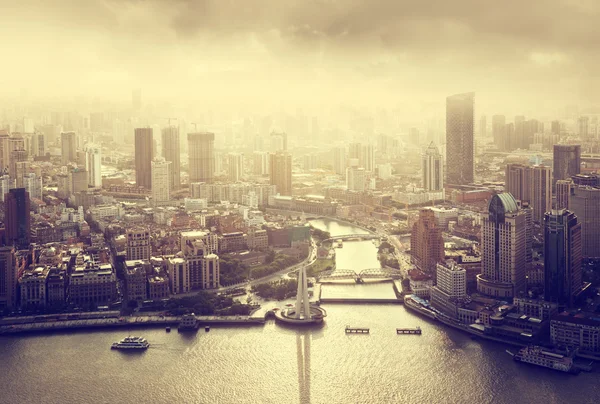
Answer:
(131, 343)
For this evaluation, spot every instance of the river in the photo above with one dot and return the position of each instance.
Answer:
(273, 364)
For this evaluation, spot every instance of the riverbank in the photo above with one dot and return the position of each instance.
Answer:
(127, 322)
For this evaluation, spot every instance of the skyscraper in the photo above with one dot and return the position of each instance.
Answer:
(339, 160)
(541, 192)
(161, 181)
(68, 147)
(459, 138)
(93, 164)
(433, 169)
(562, 257)
(426, 242)
(520, 133)
(280, 172)
(367, 157)
(8, 277)
(504, 233)
(279, 142)
(567, 161)
(235, 167)
(17, 218)
(201, 156)
(144, 153)
(518, 181)
(261, 163)
(585, 204)
(356, 179)
(482, 126)
(498, 131)
(172, 153)
(563, 193)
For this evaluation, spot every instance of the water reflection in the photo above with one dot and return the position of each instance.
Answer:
(303, 358)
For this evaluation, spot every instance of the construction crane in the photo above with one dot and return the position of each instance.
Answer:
(195, 126)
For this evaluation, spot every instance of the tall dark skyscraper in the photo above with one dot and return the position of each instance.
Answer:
(8, 277)
(144, 153)
(567, 161)
(562, 257)
(17, 218)
(68, 147)
(172, 152)
(201, 156)
(459, 138)
(280, 172)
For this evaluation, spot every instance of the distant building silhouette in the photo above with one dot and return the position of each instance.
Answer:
(172, 153)
(567, 161)
(144, 153)
(280, 172)
(433, 169)
(459, 139)
(201, 156)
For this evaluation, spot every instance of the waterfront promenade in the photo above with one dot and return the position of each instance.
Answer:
(127, 322)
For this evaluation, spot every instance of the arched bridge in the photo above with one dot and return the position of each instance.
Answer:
(358, 277)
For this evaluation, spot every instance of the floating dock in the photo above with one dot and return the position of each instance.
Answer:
(356, 330)
(408, 331)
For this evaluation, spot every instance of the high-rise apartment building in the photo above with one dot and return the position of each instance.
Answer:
(433, 169)
(235, 167)
(356, 179)
(144, 153)
(68, 147)
(279, 142)
(201, 156)
(93, 164)
(459, 139)
(426, 242)
(138, 244)
(161, 181)
(585, 204)
(541, 192)
(451, 286)
(367, 157)
(562, 257)
(33, 185)
(504, 232)
(172, 152)
(17, 218)
(280, 172)
(8, 277)
(339, 160)
(563, 193)
(567, 161)
(260, 163)
(499, 131)
(518, 181)
(482, 126)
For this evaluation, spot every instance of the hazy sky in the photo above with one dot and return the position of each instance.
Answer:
(526, 54)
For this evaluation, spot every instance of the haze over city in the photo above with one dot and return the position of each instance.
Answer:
(273, 201)
(531, 58)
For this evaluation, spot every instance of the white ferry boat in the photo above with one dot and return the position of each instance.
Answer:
(131, 343)
(536, 355)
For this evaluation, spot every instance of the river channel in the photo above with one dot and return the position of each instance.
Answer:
(273, 364)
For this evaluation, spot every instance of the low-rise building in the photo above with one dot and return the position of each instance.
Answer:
(33, 287)
(92, 284)
(135, 279)
(576, 330)
(535, 308)
(231, 242)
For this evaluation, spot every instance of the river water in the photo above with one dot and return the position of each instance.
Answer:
(272, 364)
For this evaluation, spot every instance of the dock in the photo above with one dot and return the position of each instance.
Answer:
(408, 331)
(356, 330)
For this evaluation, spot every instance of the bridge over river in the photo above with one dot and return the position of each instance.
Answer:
(335, 275)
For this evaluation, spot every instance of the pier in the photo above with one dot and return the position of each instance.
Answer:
(356, 330)
(408, 331)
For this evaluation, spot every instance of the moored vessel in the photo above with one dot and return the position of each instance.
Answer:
(536, 355)
(188, 323)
